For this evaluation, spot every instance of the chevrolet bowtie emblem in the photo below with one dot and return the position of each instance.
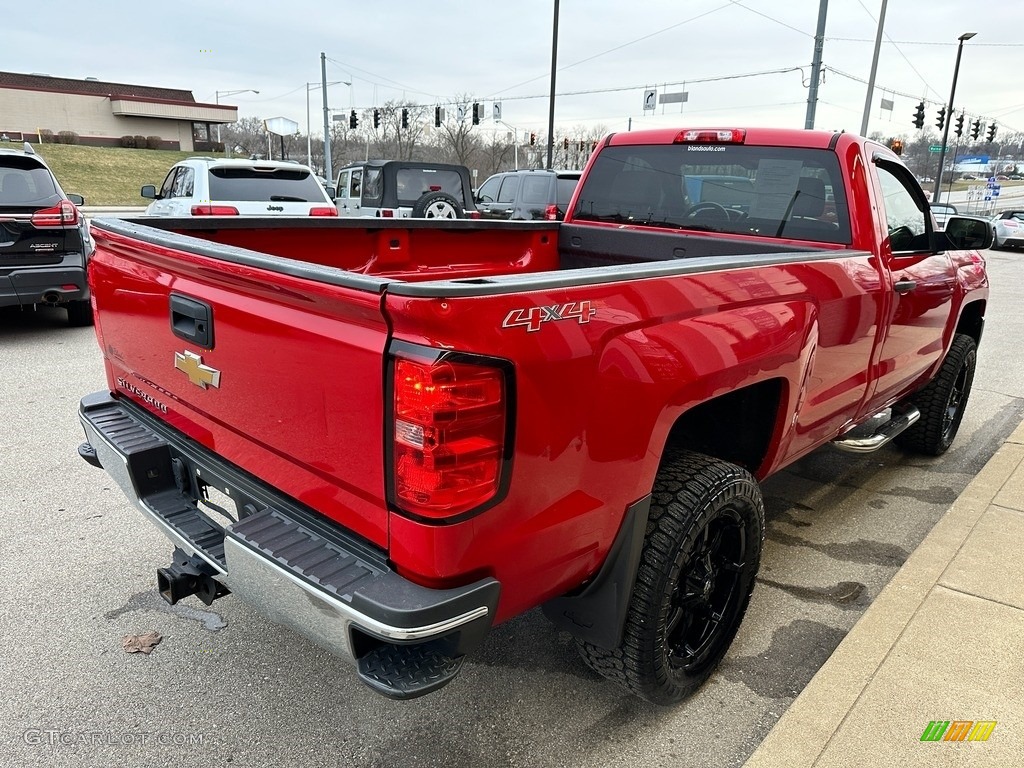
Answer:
(192, 366)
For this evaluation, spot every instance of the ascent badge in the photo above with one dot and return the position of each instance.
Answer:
(192, 366)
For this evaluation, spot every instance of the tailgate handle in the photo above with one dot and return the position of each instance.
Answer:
(192, 320)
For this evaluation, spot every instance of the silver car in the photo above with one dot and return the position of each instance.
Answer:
(1009, 229)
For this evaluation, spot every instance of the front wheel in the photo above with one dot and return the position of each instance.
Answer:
(700, 556)
(942, 401)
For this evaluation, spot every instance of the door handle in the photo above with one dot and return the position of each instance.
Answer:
(192, 320)
(905, 286)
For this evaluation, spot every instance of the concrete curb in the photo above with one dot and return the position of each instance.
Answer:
(802, 734)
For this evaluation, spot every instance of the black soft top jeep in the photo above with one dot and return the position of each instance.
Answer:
(402, 189)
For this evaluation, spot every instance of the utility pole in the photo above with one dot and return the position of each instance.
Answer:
(949, 116)
(328, 168)
(819, 42)
(874, 71)
(551, 107)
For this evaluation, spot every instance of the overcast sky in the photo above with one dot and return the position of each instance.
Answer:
(608, 54)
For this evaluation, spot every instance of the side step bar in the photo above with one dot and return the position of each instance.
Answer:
(885, 433)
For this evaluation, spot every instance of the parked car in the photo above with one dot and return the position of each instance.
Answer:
(1009, 229)
(44, 240)
(527, 194)
(401, 190)
(942, 212)
(207, 186)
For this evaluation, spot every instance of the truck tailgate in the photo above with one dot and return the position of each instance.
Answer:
(279, 374)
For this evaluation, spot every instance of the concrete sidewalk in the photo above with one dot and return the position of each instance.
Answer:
(944, 641)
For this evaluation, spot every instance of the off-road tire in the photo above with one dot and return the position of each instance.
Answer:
(701, 553)
(942, 401)
(79, 313)
(437, 205)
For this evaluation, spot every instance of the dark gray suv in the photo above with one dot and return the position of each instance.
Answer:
(44, 241)
(527, 194)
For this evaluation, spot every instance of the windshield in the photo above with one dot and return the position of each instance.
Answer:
(251, 184)
(777, 192)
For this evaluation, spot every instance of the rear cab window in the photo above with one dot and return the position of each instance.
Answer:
(775, 192)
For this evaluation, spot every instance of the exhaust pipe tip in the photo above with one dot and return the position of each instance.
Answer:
(51, 297)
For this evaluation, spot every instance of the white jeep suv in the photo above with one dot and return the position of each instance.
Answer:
(207, 186)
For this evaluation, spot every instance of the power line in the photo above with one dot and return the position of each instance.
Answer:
(620, 47)
(896, 46)
(771, 18)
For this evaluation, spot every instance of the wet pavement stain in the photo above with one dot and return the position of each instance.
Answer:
(860, 551)
(796, 652)
(151, 601)
(936, 494)
(878, 503)
(845, 594)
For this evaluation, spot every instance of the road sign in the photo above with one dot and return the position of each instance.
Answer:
(649, 100)
(937, 148)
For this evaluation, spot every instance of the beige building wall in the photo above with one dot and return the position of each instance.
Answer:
(32, 111)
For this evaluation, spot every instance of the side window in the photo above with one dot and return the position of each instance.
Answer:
(183, 183)
(509, 187)
(343, 185)
(489, 191)
(355, 188)
(165, 189)
(907, 224)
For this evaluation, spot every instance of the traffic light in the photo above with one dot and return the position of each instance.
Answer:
(975, 129)
(896, 145)
(533, 139)
(919, 116)
(476, 113)
(960, 124)
(991, 136)
(405, 119)
(353, 121)
(941, 121)
(437, 117)
(565, 143)
(376, 119)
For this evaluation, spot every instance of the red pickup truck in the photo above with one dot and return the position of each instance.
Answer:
(390, 436)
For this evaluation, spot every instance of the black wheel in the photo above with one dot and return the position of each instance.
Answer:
(701, 553)
(79, 313)
(437, 205)
(942, 401)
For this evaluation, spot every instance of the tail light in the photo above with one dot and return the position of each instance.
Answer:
(551, 213)
(63, 214)
(451, 434)
(473, 215)
(214, 210)
(326, 210)
(387, 213)
(728, 136)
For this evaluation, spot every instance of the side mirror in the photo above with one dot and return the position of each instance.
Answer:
(968, 233)
(76, 199)
(148, 191)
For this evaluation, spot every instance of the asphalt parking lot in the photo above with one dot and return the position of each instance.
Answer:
(226, 687)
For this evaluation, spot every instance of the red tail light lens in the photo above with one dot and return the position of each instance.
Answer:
(473, 215)
(551, 213)
(387, 213)
(214, 210)
(450, 433)
(327, 210)
(63, 214)
(727, 136)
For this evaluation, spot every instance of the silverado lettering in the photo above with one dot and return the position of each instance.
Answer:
(715, 305)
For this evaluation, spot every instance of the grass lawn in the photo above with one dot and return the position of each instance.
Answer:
(107, 175)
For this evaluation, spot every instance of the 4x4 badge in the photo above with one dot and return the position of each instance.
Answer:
(192, 366)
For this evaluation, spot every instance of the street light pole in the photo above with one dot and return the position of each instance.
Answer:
(218, 94)
(949, 117)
